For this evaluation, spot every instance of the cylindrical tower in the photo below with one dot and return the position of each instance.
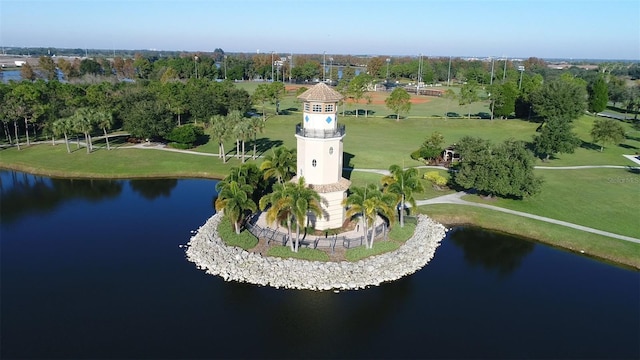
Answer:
(319, 151)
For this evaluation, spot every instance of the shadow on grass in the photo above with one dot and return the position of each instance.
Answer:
(347, 169)
(630, 147)
(589, 146)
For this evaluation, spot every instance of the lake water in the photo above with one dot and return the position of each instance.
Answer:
(93, 269)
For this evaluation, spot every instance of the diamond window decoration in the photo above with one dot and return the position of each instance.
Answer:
(328, 120)
(306, 118)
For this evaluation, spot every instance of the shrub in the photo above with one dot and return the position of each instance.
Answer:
(186, 134)
(437, 180)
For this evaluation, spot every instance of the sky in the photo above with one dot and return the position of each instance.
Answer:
(568, 29)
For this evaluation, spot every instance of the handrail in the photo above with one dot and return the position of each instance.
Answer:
(339, 131)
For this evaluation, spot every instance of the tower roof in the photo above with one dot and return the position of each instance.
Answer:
(320, 92)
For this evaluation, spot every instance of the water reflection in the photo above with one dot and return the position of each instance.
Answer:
(24, 194)
(491, 250)
(153, 188)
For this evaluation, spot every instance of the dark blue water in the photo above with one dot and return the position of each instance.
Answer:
(93, 269)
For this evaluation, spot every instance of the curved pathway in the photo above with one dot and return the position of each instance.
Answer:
(457, 199)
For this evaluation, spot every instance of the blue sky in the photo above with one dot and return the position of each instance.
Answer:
(595, 29)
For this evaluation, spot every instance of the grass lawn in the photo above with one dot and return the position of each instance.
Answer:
(617, 251)
(605, 199)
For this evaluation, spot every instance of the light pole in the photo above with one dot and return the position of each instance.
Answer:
(504, 74)
(521, 69)
(195, 62)
(388, 61)
(330, 69)
(449, 73)
(324, 65)
(225, 67)
(491, 81)
(272, 66)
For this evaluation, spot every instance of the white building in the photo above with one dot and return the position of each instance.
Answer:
(319, 151)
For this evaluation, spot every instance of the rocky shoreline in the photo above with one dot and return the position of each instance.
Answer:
(210, 254)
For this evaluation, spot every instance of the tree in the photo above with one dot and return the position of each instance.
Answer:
(468, 94)
(558, 103)
(357, 88)
(280, 164)
(256, 126)
(62, 127)
(503, 99)
(25, 102)
(234, 198)
(607, 131)
(431, 148)
(617, 89)
(504, 170)
(241, 129)
(279, 206)
(562, 98)
(598, 95)
(48, 67)
(399, 102)
(367, 202)
(261, 96)
(26, 72)
(555, 136)
(403, 184)
(83, 121)
(104, 120)
(147, 119)
(306, 202)
(220, 131)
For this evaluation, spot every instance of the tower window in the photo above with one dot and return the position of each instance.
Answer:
(331, 150)
(306, 106)
(317, 107)
(314, 163)
(328, 108)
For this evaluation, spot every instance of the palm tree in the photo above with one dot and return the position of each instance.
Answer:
(402, 183)
(83, 121)
(280, 164)
(220, 132)
(234, 119)
(62, 127)
(256, 125)
(242, 129)
(104, 120)
(369, 202)
(248, 174)
(280, 207)
(234, 198)
(306, 201)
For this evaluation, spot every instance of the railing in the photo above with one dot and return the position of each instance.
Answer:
(313, 241)
(320, 134)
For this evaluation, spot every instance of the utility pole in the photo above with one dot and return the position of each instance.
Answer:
(324, 65)
(449, 73)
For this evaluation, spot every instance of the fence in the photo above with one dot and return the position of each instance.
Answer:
(314, 241)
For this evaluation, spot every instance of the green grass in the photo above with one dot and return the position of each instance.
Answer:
(605, 199)
(601, 247)
(402, 234)
(379, 247)
(244, 240)
(303, 253)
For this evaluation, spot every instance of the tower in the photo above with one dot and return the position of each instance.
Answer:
(319, 151)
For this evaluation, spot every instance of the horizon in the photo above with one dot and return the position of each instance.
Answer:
(516, 29)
